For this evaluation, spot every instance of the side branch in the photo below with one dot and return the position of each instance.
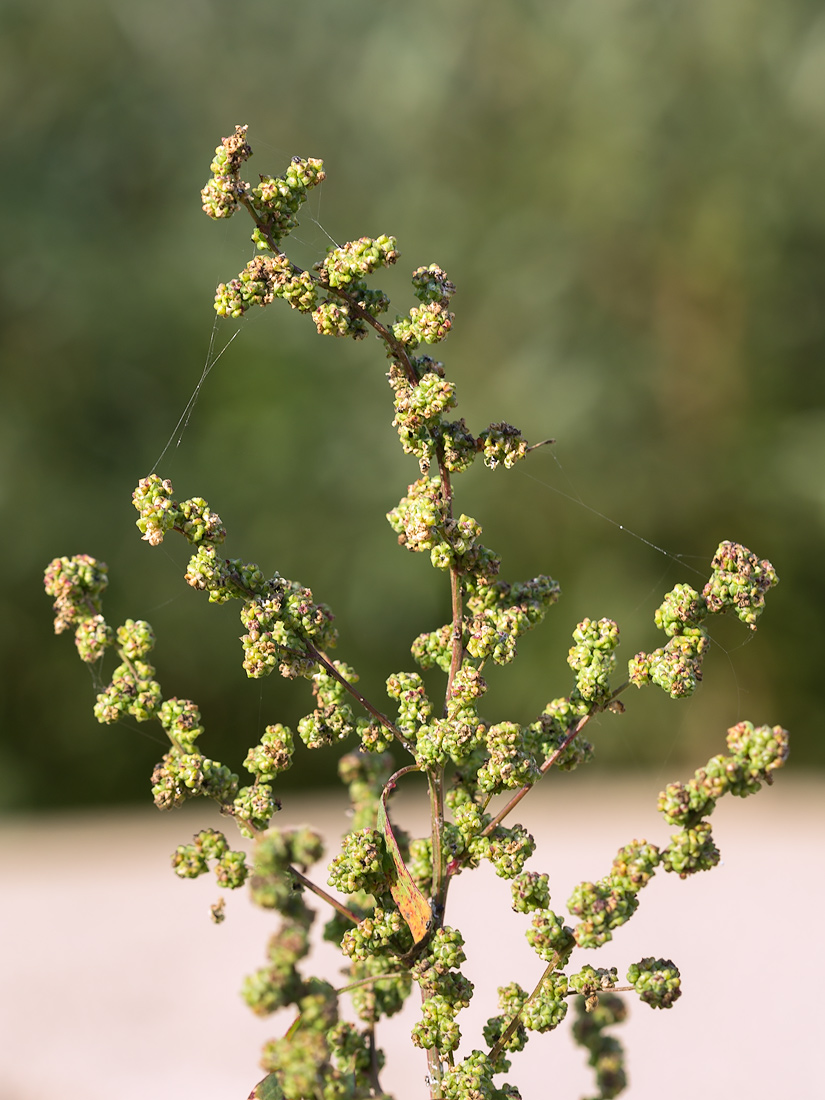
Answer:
(329, 667)
(321, 893)
(395, 347)
(553, 757)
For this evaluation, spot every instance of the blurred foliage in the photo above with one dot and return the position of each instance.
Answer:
(629, 196)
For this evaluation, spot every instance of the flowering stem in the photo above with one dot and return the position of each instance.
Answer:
(321, 893)
(511, 1027)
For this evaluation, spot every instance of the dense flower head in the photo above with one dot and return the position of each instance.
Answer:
(383, 932)
(221, 195)
(133, 690)
(510, 764)
(181, 719)
(692, 849)
(550, 937)
(158, 510)
(278, 627)
(77, 585)
(531, 891)
(591, 657)
(739, 583)
(501, 613)
(657, 981)
(355, 259)
(554, 726)
(502, 445)
(253, 808)
(92, 637)
(602, 908)
(361, 864)
(181, 775)
(135, 639)
(273, 754)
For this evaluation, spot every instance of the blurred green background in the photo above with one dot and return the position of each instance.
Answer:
(629, 195)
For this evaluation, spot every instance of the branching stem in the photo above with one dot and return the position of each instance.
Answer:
(328, 898)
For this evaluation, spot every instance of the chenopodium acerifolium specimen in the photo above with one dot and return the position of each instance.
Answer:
(388, 912)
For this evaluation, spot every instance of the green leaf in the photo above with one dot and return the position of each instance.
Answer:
(268, 1089)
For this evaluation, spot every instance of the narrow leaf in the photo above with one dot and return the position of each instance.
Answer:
(412, 905)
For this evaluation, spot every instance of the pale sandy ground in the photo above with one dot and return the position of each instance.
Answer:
(117, 985)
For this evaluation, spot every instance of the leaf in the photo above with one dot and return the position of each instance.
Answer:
(412, 905)
(268, 1089)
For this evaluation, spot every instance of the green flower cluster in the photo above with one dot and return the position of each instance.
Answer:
(159, 513)
(432, 321)
(657, 982)
(280, 615)
(610, 902)
(499, 613)
(677, 666)
(605, 1053)
(278, 627)
(192, 860)
(511, 1001)
(420, 405)
(133, 690)
(690, 850)
(181, 719)
(421, 522)
(274, 202)
(383, 932)
(447, 991)
(592, 980)
(552, 728)
(181, 775)
(322, 1056)
(437, 1026)
(548, 1007)
(135, 639)
(361, 864)
(92, 637)
(277, 200)
(738, 583)
(253, 808)
(345, 267)
(550, 937)
(376, 999)
(77, 585)
(509, 764)
(509, 850)
(592, 658)
(502, 445)
(472, 1079)
(226, 578)
(755, 754)
(530, 891)
(222, 195)
(272, 755)
(333, 719)
(264, 279)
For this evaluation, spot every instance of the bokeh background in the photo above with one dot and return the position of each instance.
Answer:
(629, 196)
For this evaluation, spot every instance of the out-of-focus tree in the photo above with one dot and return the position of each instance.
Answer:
(668, 329)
